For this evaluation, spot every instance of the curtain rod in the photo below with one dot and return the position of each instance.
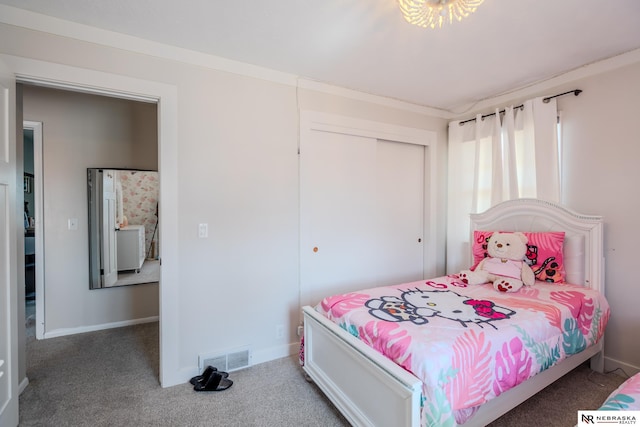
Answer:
(576, 92)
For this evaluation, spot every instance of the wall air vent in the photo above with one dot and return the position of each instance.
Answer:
(232, 361)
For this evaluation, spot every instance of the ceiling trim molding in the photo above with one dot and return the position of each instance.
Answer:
(536, 89)
(374, 99)
(59, 27)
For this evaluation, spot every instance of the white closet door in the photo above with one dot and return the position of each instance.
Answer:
(361, 213)
(400, 212)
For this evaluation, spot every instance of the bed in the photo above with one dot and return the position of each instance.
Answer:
(624, 398)
(371, 389)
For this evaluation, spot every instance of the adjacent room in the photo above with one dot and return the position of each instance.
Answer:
(215, 184)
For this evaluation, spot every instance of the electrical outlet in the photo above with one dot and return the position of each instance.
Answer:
(279, 331)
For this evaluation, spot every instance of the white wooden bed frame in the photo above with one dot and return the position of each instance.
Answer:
(370, 390)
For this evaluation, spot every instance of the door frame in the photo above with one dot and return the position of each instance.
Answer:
(11, 245)
(38, 183)
(311, 121)
(65, 77)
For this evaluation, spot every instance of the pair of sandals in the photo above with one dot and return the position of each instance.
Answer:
(211, 380)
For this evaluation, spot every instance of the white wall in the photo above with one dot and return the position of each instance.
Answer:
(600, 176)
(601, 155)
(82, 131)
(237, 171)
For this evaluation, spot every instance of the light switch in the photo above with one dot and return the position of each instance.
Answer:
(73, 224)
(203, 230)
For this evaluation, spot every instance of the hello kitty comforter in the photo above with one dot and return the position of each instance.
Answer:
(469, 344)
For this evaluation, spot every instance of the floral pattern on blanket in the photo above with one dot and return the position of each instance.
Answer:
(624, 398)
(469, 344)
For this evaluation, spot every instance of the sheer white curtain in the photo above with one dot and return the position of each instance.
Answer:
(501, 157)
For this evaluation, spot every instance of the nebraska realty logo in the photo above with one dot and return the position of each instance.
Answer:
(625, 418)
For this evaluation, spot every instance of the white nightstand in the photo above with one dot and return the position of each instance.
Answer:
(130, 247)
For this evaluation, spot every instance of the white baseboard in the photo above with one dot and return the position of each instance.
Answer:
(92, 328)
(613, 364)
(274, 353)
(23, 384)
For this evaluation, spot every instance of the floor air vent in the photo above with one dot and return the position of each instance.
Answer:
(232, 361)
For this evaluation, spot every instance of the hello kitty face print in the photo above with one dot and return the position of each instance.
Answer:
(418, 305)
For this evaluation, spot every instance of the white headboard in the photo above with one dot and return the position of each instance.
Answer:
(583, 244)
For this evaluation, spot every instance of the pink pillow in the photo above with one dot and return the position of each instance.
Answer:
(544, 253)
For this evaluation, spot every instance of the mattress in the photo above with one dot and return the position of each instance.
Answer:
(469, 344)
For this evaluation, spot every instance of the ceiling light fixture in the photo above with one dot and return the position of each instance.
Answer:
(433, 13)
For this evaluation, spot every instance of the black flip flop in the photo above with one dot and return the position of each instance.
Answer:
(206, 374)
(216, 382)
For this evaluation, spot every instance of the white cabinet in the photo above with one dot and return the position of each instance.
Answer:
(130, 247)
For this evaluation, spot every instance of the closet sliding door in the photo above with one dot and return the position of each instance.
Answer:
(400, 212)
(362, 213)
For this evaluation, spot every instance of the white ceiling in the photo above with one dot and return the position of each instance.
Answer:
(366, 45)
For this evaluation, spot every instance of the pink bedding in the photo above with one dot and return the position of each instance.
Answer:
(469, 344)
(624, 398)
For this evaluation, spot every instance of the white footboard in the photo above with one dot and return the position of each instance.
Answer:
(370, 390)
(367, 388)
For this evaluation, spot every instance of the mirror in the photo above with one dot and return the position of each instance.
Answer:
(123, 227)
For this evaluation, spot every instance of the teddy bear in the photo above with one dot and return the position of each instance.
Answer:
(505, 266)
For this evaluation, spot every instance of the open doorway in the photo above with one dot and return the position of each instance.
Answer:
(81, 131)
(164, 97)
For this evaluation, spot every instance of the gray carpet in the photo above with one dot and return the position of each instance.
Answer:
(110, 378)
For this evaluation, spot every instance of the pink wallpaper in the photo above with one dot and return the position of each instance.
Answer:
(140, 191)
